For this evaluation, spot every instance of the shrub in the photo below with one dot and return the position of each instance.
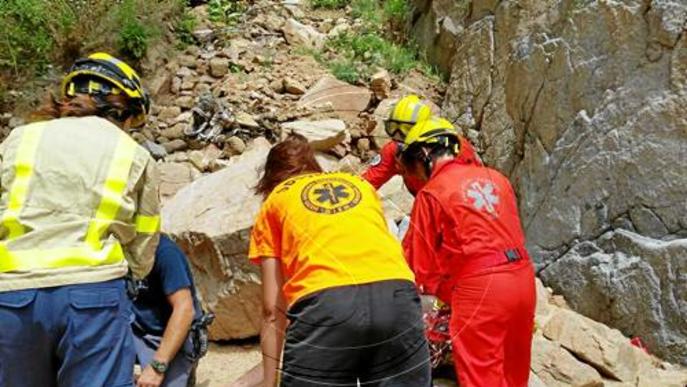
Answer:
(328, 4)
(225, 11)
(184, 28)
(36, 33)
(367, 10)
(345, 70)
(368, 50)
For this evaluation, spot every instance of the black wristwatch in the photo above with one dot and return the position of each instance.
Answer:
(159, 366)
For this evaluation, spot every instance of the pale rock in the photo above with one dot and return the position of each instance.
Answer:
(350, 164)
(193, 51)
(535, 381)
(169, 113)
(184, 72)
(175, 145)
(219, 67)
(396, 199)
(185, 102)
(380, 83)
(381, 114)
(188, 85)
(205, 159)
(346, 100)
(543, 309)
(277, 86)
(363, 145)
(556, 367)
(246, 120)
(188, 61)
(235, 145)
(156, 150)
(173, 177)
(175, 88)
(185, 117)
(338, 30)
(604, 348)
(137, 136)
(211, 221)
(298, 34)
(322, 135)
(327, 162)
(292, 86)
(175, 132)
(204, 35)
(177, 157)
(161, 83)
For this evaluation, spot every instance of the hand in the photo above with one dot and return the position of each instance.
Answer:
(150, 378)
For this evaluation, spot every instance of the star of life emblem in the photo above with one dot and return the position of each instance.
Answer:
(484, 197)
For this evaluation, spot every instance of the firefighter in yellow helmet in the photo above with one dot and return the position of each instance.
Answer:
(78, 209)
(408, 111)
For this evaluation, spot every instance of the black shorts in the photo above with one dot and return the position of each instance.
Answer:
(371, 333)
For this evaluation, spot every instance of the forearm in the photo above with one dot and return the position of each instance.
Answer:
(272, 341)
(175, 334)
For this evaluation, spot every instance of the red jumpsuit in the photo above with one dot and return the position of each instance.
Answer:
(466, 246)
(386, 166)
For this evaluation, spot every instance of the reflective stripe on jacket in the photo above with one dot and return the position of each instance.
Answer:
(464, 222)
(78, 199)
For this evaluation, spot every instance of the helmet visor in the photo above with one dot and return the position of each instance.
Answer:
(394, 128)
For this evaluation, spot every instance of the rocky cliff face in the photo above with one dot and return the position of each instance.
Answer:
(583, 104)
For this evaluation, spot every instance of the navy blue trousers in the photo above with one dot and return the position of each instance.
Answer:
(67, 336)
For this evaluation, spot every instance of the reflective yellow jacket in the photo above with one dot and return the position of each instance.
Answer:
(78, 204)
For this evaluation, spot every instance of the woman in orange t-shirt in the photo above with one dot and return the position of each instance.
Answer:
(331, 267)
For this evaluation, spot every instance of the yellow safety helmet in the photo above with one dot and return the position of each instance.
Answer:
(404, 114)
(102, 74)
(433, 131)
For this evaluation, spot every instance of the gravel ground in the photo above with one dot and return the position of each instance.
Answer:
(225, 363)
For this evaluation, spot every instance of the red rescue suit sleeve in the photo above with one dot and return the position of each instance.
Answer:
(467, 153)
(386, 165)
(383, 168)
(423, 239)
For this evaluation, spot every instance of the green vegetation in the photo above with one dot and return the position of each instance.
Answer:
(379, 43)
(397, 11)
(226, 12)
(368, 11)
(345, 70)
(184, 29)
(328, 4)
(38, 33)
(368, 50)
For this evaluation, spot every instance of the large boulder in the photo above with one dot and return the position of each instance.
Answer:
(604, 348)
(298, 34)
(211, 221)
(175, 176)
(556, 367)
(322, 135)
(346, 100)
(582, 104)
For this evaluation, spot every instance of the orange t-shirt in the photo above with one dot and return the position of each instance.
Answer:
(328, 230)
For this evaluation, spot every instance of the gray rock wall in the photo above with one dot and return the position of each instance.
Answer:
(584, 105)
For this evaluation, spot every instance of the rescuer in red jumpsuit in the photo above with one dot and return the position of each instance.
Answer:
(466, 247)
(407, 112)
